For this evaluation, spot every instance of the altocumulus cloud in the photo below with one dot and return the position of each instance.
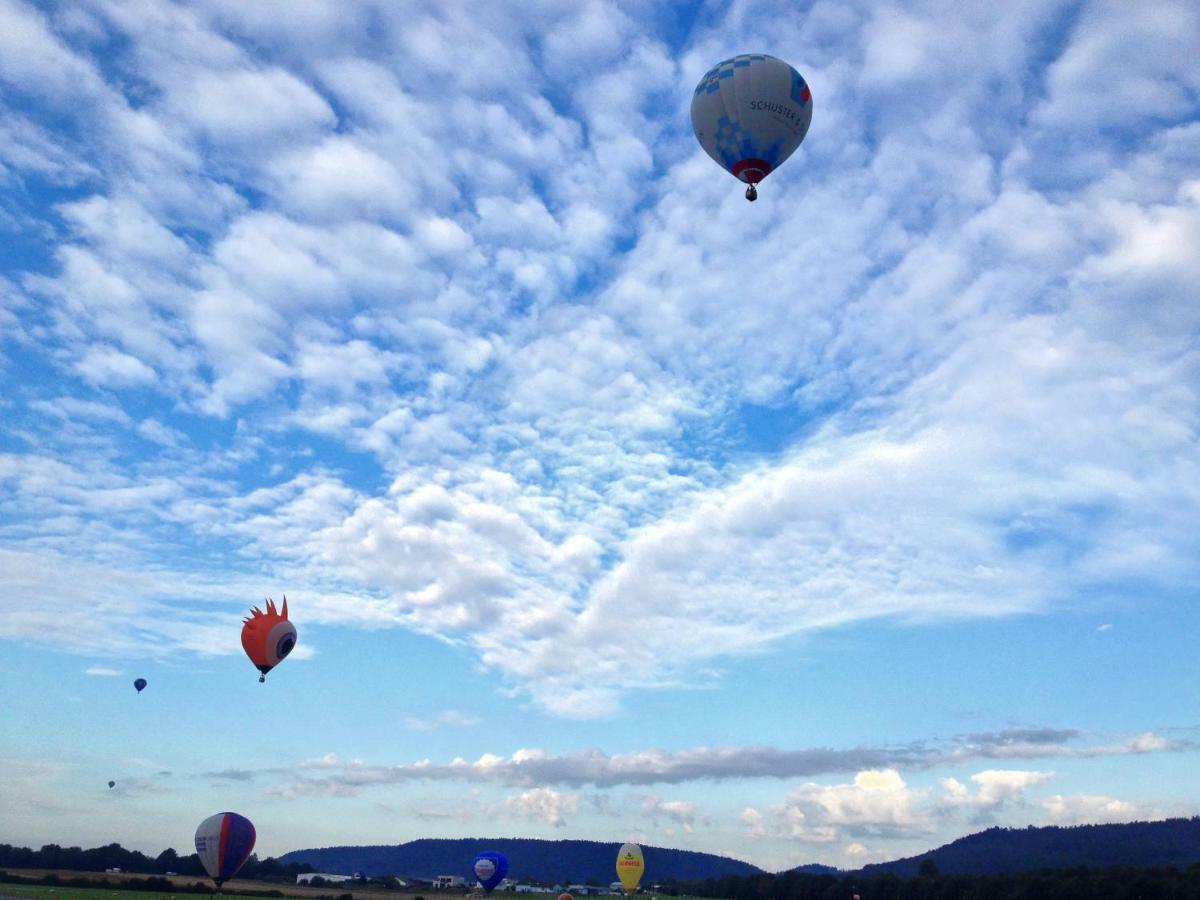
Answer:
(506, 281)
(535, 768)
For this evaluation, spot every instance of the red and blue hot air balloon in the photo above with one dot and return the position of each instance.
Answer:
(490, 868)
(750, 113)
(223, 843)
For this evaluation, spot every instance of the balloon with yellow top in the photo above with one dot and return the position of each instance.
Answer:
(630, 866)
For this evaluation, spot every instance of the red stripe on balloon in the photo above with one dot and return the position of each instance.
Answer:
(751, 171)
(222, 843)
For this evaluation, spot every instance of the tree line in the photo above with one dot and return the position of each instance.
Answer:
(1078, 883)
(114, 856)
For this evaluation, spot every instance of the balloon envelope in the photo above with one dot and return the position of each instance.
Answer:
(565, 896)
(223, 843)
(268, 637)
(112, 784)
(490, 868)
(750, 113)
(139, 684)
(630, 865)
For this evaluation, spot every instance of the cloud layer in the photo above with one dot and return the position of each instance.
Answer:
(443, 321)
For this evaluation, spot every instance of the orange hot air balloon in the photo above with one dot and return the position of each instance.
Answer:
(268, 637)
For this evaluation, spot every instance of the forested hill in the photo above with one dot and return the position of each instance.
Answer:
(1172, 842)
(564, 862)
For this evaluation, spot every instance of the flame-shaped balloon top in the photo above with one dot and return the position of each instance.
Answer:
(271, 613)
(268, 637)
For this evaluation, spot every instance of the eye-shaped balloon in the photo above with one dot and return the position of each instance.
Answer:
(490, 868)
(223, 843)
(139, 683)
(268, 637)
(750, 113)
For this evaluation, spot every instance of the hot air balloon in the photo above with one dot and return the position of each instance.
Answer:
(268, 637)
(490, 868)
(566, 896)
(630, 866)
(140, 684)
(112, 784)
(224, 842)
(750, 113)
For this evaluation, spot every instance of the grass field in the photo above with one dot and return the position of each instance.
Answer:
(42, 892)
(244, 888)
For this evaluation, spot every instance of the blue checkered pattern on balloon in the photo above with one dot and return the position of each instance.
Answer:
(735, 144)
(712, 79)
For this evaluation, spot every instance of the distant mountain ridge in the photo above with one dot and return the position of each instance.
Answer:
(564, 862)
(1170, 842)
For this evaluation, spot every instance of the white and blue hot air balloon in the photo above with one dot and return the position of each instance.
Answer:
(750, 113)
(490, 867)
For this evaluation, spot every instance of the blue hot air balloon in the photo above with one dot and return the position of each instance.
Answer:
(750, 113)
(139, 684)
(490, 868)
(223, 843)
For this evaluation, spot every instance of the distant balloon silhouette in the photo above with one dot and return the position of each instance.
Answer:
(112, 784)
(223, 843)
(140, 684)
(490, 868)
(268, 637)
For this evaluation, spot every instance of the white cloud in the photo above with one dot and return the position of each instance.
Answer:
(1150, 44)
(35, 60)
(999, 786)
(103, 671)
(446, 718)
(341, 178)
(877, 802)
(976, 381)
(543, 805)
(1093, 809)
(242, 105)
(681, 812)
(109, 366)
(753, 820)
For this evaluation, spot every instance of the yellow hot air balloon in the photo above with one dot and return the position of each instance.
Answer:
(630, 866)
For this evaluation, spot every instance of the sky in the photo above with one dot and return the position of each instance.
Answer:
(608, 505)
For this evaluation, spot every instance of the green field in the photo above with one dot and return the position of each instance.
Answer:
(43, 892)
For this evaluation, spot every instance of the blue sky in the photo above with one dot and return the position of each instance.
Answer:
(607, 505)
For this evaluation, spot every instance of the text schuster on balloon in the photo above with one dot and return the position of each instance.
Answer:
(781, 108)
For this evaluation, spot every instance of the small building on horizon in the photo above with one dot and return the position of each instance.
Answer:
(324, 876)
